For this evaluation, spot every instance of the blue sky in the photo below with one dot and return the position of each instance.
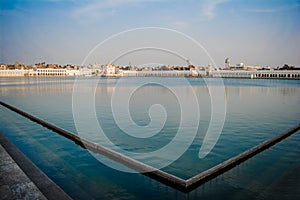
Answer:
(257, 32)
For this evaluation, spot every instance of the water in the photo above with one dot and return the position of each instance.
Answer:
(256, 110)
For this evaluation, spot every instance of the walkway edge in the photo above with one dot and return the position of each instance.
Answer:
(234, 161)
(49, 189)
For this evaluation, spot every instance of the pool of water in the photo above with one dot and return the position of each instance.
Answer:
(255, 111)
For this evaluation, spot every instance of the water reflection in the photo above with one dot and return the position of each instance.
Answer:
(256, 110)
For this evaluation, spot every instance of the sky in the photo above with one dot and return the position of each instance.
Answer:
(256, 32)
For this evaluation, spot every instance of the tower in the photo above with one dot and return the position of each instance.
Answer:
(227, 63)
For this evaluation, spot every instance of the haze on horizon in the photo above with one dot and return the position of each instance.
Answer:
(257, 32)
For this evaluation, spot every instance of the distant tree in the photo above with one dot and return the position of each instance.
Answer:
(18, 65)
(287, 67)
(164, 68)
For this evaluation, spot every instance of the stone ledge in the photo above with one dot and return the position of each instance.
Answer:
(21, 179)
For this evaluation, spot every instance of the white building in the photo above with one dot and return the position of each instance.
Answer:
(84, 72)
(109, 70)
(13, 73)
(43, 72)
(72, 72)
(47, 72)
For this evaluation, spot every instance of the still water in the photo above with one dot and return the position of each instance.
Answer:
(255, 111)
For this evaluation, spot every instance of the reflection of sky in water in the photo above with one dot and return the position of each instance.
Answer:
(256, 110)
